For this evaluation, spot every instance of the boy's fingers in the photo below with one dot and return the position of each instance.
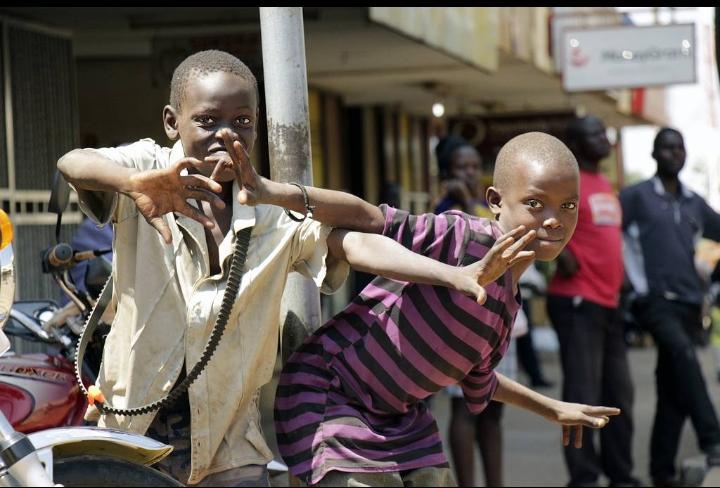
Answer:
(220, 165)
(578, 436)
(200, 194)
(200, 182)
(246, 167)
(522, 256)
(603, 411)
(245, 197)
(186, 163)
(501, 245)
(159, 224)
(481, 295)
(230, 146)
(193, 213)
(566, 435)
(243, 151)
(513, 232)
(523, 241)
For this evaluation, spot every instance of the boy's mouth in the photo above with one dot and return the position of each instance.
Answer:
(218, 151)
(550, 239)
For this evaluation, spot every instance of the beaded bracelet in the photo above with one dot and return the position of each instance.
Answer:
(306, 200)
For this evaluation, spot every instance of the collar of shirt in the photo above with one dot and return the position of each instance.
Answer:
(660, 189)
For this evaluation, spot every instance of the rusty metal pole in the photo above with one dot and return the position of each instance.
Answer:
(286, 98)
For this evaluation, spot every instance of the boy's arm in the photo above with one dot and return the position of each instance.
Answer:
(380, 255)
(564, 413)
(155, 192)
(333, 208)
(383, 256)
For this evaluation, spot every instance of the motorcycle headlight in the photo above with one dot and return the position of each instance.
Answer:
(7, 273)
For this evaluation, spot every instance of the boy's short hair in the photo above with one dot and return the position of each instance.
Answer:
(537, 147)
(203, 63)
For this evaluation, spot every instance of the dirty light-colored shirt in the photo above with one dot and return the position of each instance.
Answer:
(167, 305)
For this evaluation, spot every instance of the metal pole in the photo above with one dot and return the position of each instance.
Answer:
(286, 98)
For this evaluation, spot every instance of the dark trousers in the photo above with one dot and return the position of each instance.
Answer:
(681, 389)
(595, 372)
(527, 356)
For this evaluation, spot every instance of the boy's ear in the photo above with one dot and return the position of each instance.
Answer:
(170, 122)
(494, 200)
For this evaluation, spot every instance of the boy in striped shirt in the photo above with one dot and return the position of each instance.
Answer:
(349, 406)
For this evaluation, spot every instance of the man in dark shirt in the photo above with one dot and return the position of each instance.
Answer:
(662, 221)
(583, 307)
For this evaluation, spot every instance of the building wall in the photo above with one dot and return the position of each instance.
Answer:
(119, 101)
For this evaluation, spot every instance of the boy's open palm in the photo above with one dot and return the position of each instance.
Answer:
(507, 251)
(160, 191)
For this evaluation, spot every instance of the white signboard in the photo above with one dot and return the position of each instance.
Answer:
(628, 57)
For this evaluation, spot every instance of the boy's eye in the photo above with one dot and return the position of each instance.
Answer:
(204, 119)
(534, 203)
(570, 205)
(243, 121)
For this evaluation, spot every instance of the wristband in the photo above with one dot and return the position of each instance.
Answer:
(306, 200)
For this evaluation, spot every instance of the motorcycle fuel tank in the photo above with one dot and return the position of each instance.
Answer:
(38, 391)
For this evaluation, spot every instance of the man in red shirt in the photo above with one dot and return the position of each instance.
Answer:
(583, 306)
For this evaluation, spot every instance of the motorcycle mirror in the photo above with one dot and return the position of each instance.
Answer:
(60, 194)
(59, 199)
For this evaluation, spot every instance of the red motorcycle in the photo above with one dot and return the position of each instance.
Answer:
(39, 390)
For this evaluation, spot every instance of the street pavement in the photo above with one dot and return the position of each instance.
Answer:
(533, 446)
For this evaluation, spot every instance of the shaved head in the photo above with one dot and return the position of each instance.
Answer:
(536, 185)
(530, 149)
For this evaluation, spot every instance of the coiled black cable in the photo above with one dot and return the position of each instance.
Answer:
(237, 265)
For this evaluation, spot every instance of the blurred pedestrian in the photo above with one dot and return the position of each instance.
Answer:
(583, 307)
(662, 220)
(460, 168)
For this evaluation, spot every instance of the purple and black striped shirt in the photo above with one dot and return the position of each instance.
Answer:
(350, 398)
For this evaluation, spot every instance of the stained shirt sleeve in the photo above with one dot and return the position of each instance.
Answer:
(310, 256)
(102, 206)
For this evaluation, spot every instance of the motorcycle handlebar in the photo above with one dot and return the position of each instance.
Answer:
(61, 257)
(58, 257)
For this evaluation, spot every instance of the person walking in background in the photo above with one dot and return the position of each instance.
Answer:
(662, 220)
(460, 167)
(533, 284)
(583, 307)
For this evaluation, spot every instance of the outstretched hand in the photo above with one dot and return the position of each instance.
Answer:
(161, 191)
(577, 416)
(507, 251)
(249, 182)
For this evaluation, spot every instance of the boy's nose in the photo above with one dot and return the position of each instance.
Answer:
(219, 134)
(552, 223)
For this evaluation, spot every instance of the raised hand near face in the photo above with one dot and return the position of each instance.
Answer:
(251, 184)
(160, 191)
(507, 251)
